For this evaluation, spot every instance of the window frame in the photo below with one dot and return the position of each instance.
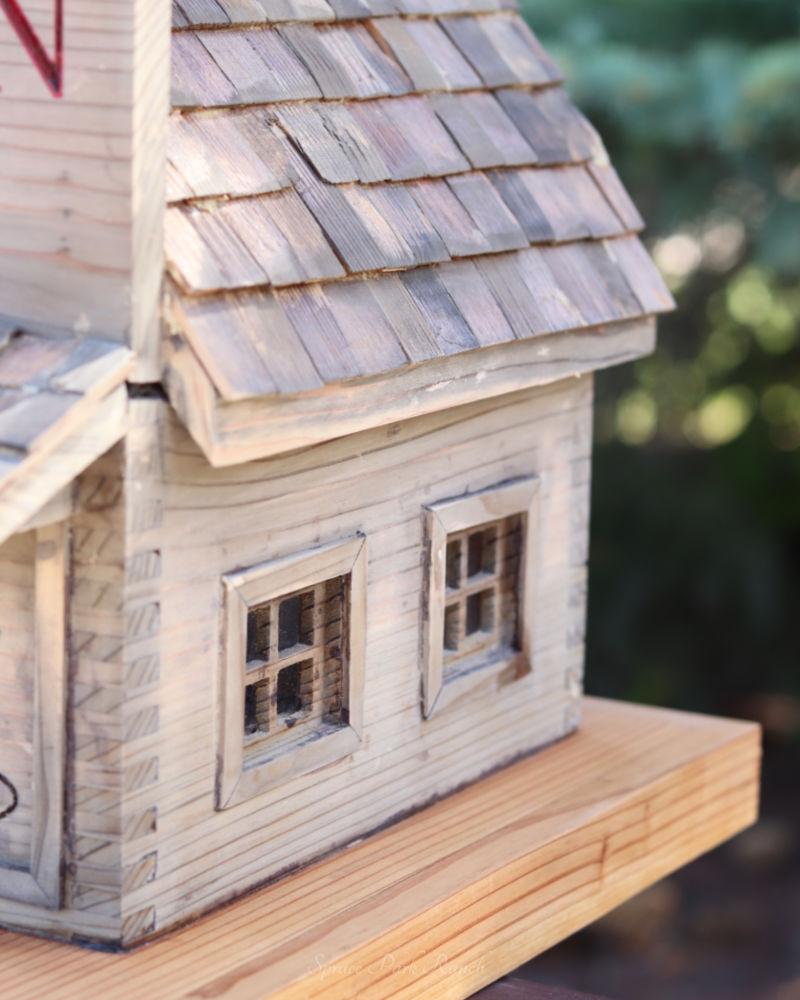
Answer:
(40, 883)
(239, 778)
(448, 517)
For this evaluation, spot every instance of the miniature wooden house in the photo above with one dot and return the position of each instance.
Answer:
(293, 513)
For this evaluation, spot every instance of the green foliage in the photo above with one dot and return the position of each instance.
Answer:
(696, 531)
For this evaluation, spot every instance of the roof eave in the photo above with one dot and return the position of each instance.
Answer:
(230, 433)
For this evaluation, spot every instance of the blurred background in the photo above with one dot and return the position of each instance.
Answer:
(695, 557)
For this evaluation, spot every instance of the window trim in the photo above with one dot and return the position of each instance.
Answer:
(238, 779)
(518, 496)
(40, 883)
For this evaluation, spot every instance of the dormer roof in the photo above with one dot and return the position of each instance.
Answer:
(365, 187)
(62, 404)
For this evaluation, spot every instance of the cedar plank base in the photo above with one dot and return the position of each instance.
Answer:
(557, 840)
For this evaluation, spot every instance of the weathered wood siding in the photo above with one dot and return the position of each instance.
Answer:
(211, 521)
(82, 187)
(157, 527)
(16, 693)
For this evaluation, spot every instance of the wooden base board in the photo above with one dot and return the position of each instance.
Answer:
(450, 899)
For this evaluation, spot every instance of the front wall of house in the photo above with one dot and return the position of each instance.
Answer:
(16, 697)
(212, 521)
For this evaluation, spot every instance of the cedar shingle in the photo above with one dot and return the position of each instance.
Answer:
(426, 54)
(31, 416)
(365, 153)
(468, 34)
(179, 19)
(197, 12)
(372, 341)
(520, 49)
(488, 211)
(521, 201)
(556, 130)
(234, 261)
(393, 250)
(194, 264)
(502, 49)
(482, 129)
(403, 315)
(510, 288)
(554, 306)
(242, 11)
(402, 213)
(226, 154)
(30, 361)
(311, 316)
(248, 345)
(619, 199)
(343, 226)
(592, 281)
(306, 127)
(345, 61)
(284, 238)
(415, 119)
(553, 191)
(453, 223)
(234, 358)
(404, 160)
(197, 79)
(641, 274)
(296, 10)
(340, 149)
(439, 311)
(474, 300)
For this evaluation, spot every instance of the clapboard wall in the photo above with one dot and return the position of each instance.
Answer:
(16, 693)
(211, 521)
(155, 529)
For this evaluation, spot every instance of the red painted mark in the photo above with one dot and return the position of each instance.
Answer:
(51, 68)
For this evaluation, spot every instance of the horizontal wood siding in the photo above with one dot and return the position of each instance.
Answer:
(16, 694)
(214, 521)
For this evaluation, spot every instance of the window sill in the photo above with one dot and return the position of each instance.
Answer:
(480, 676)
(293, 760)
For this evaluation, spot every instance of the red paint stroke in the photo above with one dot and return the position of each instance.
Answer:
(51, 68)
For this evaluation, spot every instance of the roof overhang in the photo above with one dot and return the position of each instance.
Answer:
(63, 403)
(234, 431)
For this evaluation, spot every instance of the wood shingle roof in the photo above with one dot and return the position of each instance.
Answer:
(360, 186)
(62, 404)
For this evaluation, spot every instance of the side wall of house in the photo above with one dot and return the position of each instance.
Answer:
(211, 521)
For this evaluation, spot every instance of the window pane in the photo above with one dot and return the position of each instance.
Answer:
(452, 616)
(258, 627)
(480, 612)
(475, 554)
(453, 562)
(256, 707)
(295, 688)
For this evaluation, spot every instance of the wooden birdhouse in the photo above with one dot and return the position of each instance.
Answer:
(295, 432)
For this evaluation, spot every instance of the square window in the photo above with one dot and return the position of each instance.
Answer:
(292, 667)
(481, 607)
(480, 590)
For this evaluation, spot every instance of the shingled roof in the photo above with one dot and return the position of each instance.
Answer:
(359, 187)
(62, 404)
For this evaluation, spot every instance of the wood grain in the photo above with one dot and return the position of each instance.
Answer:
(461, 893)
(170, 614)
(253, 428)
(82, 192)
(61, 406)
